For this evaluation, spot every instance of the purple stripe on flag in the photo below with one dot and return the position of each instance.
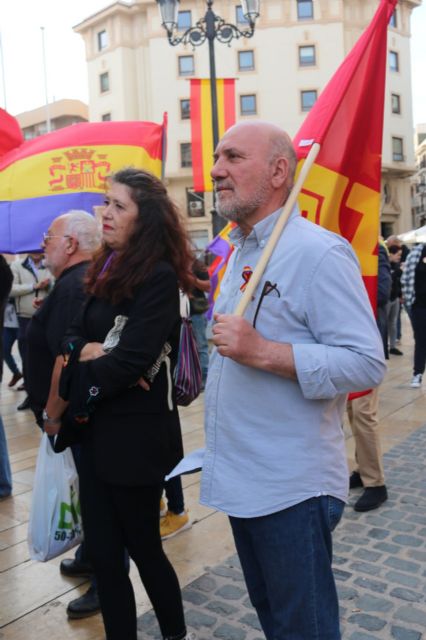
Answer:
(220, 247)
(22, 222)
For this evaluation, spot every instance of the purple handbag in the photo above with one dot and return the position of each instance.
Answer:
(187, 375)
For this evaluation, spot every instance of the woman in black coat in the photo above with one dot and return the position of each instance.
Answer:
(121, 398)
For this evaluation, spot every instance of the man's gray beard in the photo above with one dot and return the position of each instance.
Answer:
(238, 211)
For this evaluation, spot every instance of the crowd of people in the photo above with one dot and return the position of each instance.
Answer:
(95, 309)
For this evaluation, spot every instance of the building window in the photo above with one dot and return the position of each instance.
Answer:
(393, 20)
(305, 9)
(185, 109)
(307, 56)
(239, 15)
(102, 40)
(184, 20)
(104, 82)
(396, 103)
(308, 99)
(248, 105)
(186, 65)
(246, 60)
(393, 61)
(185, 155)
(195, 203)
(397, 150)
(106, 117)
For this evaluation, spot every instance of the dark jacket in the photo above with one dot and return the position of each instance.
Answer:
(134, 434)
(384, 283)
(6, 279)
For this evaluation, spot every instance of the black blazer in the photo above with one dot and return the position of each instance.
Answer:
(135, 434)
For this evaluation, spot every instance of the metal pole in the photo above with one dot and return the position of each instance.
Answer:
(48, 126)
(217, 222)
(3, 75)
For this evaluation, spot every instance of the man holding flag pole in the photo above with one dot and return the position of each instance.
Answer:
(275, 457)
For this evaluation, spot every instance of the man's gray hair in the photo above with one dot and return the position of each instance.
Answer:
(84, 227)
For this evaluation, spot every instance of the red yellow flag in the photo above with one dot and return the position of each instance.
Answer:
(67, 169)
(342, 191)
(201, 125)
(10, 133)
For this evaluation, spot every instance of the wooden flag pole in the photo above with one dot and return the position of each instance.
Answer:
(276, 233)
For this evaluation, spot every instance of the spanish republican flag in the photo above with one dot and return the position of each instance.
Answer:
(201, 125)
(342, 190)
(67, 169)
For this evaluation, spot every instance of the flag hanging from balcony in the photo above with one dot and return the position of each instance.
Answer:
(67, 169)
(201, 125)
(342, 190)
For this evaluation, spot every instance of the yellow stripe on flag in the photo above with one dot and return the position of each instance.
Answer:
(54, 173)
(206, 115)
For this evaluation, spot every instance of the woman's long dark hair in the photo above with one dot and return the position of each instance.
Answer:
(158, 234)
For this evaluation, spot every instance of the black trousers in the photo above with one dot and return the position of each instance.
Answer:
(418, 320)
(116, 518)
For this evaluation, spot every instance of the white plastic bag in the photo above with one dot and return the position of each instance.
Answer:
(55, 520)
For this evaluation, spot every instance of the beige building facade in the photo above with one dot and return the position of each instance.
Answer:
(298, 44)
(418, 184)
(62, 113)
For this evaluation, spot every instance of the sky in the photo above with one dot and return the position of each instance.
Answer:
(21, 54)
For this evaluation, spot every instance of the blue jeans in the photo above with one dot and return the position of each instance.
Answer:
(10, 335)
(286, 561)
(199, 325)
(5, 472)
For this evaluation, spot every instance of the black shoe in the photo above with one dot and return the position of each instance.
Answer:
(395, 352)
(73, 569)
(16, 376)
(355, 480)
(86, 605)
(372, 498)
(24, 405)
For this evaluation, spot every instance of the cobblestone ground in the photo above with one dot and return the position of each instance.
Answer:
(379, 565)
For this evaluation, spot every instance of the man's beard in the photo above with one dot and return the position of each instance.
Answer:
(238, 210)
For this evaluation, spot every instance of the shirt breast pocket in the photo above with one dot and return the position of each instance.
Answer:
(268, 317)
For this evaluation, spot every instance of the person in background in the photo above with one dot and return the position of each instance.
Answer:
(384, 285)
(69, 244)
(31, 281)
(275, 458)
(413, 281)
(10, 335)
(394, 241)
(363, 414)
(394, 304)
(174, 516)
(5, 471)
(198, 307)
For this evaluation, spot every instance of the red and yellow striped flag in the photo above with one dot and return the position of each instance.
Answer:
(342, 190)
(201, 125)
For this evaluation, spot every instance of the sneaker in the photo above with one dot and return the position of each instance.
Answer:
(416, 382)
(372, 498)
(163, 508)
(174, 523)
(395, 352)
(355, 480)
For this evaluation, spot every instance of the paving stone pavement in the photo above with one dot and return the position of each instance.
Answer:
(379, 565)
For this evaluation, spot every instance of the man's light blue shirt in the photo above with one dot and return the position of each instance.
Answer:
(272, 442)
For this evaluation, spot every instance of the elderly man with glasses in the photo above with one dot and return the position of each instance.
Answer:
(68, 245)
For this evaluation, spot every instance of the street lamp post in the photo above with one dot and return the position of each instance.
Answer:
(211, 27)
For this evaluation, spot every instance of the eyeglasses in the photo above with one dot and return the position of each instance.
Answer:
(47, 238)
